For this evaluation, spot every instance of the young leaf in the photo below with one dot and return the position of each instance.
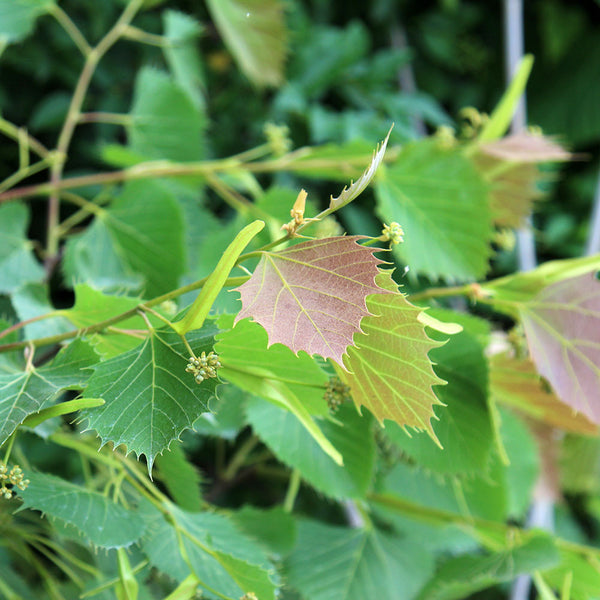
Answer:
(464, 429)
(150, 399)
(335, 563)
(562, 325)
(292, 444)
(442, 203)
(23, 393)
(311, 296)
(388, 369)
(100, 520)
(359, 186)
(254, 31)
(17, 263)
(516, 383)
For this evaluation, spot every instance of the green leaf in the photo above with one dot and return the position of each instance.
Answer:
(17, 18)
(197, 313)
(23, 393)
(226, 562)
(334, 563)
(562, 325)
(388, 369)
(312, 296)
(17, 263)
(461, 576)
(182, 54)
(350, 434)
(150, 399)
(464, 427)
(141, 233)
(581, 568)
(295, 383)
(181, 478)
(442, 203)
(166, 124)
(100, 520)
(255, 33)
(274, 528)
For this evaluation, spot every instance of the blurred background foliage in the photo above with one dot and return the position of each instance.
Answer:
(352, 68)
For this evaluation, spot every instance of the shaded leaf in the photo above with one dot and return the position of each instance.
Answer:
(23, 393)
(580, 464)
(255, 33)
(583, 570)
(464, 428)
(17, 17)
(461, 576)
(516, 383)
(334, 563)
(103, 522)
(388, 369)
(166, 124)
(311, 296)
(442, 203)
(181, 478)
(292, 444)
(138, 238)
(149, 398)
(17, 263)
(225, 561)
(562, 325)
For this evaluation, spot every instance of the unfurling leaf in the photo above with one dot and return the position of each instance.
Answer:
(562, 325)
(516, 383)
(312, 296)
(359, 186)
(389, 370)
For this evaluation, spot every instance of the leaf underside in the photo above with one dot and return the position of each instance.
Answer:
(312, 296)
(562, 325)
(388, 369)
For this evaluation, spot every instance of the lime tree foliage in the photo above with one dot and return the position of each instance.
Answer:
(218, 379)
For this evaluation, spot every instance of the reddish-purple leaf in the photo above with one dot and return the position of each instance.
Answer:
(562, 324)
(312, 296)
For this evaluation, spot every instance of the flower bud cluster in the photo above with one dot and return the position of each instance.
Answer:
(392, 233)
(13, 478)
(203, 367)
(336, 393)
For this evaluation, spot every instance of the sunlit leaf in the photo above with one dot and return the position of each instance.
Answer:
(311, 296)
(442, 203)
(515, 382)
(97, 518)
(149, 397)
(255, 33)
(23, 393)
(388, 369)
(562, 325)
(17, 17)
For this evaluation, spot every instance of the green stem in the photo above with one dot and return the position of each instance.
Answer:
(239, 457)
(72, 30)
(9, 446)
(112, 582)
(92, 58)
(139, 35)
(106, 117)
(292, 491)
(16, 133)
(63, 408)
(23, 174)
(21, 324)
(461, 290)
(101, 325)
